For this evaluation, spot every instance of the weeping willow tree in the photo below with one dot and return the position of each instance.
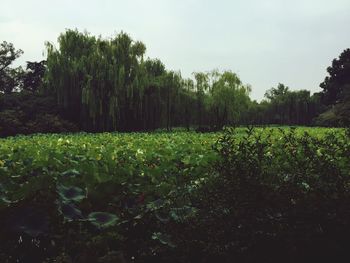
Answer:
(202, 86)
(230, 98)
(171, 83)
(106, 85)
(153, 105)
(98, 82)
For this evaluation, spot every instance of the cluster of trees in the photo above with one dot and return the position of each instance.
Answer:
(24, 109)
(18, 79)
(108, 85)
(286, 107)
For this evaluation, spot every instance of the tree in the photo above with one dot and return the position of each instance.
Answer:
(286, 107)
(336, 93)
(188, 100)
(152, 102)
(33, 77)
(172, 84)
(9, 77)
(337, 84)
(229, 98)
(8, 54)
(202, 85)
(99, 83)
(278, 98)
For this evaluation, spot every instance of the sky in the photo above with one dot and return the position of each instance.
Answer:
(265, 42)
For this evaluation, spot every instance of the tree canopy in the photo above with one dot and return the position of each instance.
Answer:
(9, 77)
(336, 92)
(336, 86)
(107, 84)
(111, 85)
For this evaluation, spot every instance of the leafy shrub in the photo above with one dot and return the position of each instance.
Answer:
(277, 196)
(337, 116)
(11, 122)
(26, 113)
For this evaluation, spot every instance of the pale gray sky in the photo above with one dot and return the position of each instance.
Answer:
(265, 42)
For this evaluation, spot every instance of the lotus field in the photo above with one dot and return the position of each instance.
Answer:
(112, 192)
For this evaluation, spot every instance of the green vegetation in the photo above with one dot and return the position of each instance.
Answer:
(336, 92)
(110, 181)
(169, 196)
(173, 195)
(27, 113)
(101, 85)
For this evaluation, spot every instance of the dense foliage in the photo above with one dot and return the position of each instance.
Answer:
(108, 85)
(280, 195)
(23, 110)
(60, 182)
(336, 92)
(26, 113)
(99, 82)
(283, 106)
(175, 197)
(9, 77)
(336, 86)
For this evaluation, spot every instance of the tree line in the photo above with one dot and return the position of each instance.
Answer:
(109, 85)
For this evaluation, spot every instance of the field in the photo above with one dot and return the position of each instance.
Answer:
(80, 192)
(85, 160)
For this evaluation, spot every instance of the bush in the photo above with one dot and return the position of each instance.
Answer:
(337, 116)
(275, 197)
(26, 113)
(11, 122)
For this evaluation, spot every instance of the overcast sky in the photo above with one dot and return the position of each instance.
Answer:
(264, 41)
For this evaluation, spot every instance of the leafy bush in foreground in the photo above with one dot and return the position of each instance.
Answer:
(278, 197)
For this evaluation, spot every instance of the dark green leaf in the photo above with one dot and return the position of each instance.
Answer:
(71, 193)
(103, 219)
(70, 212)
(163, 238)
